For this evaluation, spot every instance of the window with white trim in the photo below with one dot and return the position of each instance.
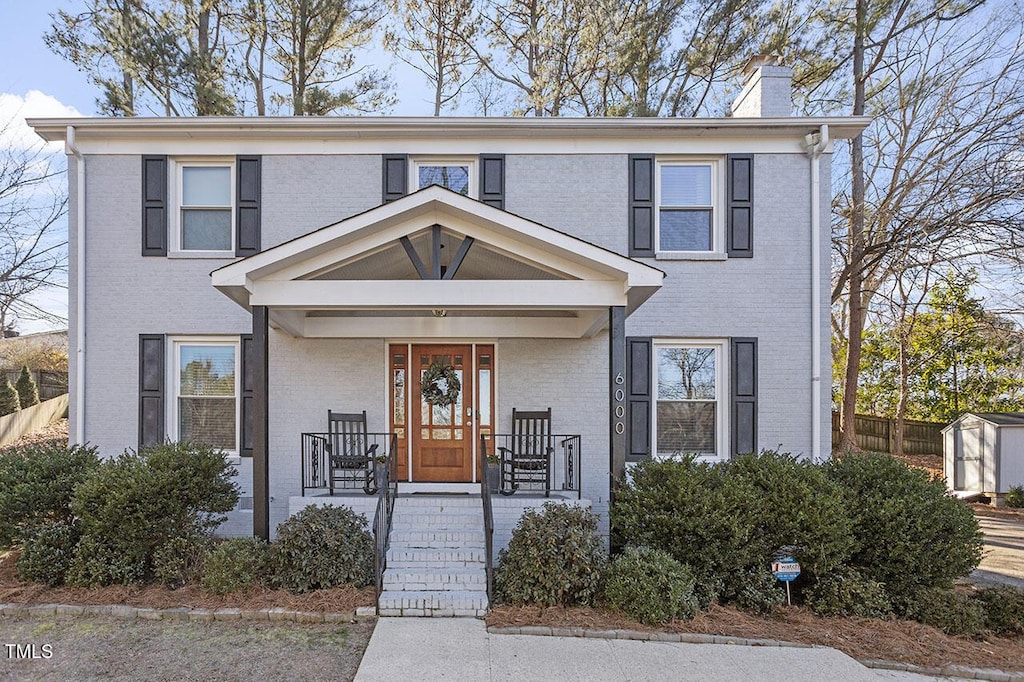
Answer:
(204, 215)
(690, 384)
(458, 175)
(690, 200)
(205, 381)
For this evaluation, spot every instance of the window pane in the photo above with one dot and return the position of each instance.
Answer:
(206, 186)
(455, 178)
(207, 371)
(685, 230)
(399, 397)
(686, 374)
(206, 229)
(686, 428)
(485, 396)
(686, 185)
(207, 420)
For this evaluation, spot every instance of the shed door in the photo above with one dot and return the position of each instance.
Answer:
(969, 453)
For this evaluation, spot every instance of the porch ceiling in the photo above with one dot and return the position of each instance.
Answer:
(436, 264)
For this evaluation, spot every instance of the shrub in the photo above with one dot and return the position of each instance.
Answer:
(909, 534)
(726, 521)
(180, 560)
(236, 565)
(952, 612)
(1015, 498)
(1004, 610)
(47, 552)
(36, 484)
(132, 505)
(28, 392)
(9, 401)
(554, 557)
(651, 586)
(757, 590)
(323, 547)
(849, 592)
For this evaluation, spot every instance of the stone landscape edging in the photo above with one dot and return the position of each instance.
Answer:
(964, 672)
(189, 614)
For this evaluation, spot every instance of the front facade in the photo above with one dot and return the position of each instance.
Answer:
(660, 285)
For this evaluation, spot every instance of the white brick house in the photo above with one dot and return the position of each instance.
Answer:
(660, 284)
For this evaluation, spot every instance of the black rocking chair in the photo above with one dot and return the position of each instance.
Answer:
(529, 460)
(352, 457)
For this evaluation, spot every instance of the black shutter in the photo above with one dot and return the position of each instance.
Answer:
(396, 177)
(151, 389)
(743, 399)
(247, 230)
(641, 205)
(492, 180)
(245, 434)
(638, 397)
(740, 205)
(154, 205)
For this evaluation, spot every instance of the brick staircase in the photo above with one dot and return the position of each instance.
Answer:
(435, 561)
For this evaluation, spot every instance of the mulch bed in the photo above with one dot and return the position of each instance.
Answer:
(14, 591)
(57, 431)
(861, 638)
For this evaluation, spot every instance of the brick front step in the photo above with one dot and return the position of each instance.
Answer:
(437, 604)
(435, 558)
(436, 539)
(435, 579)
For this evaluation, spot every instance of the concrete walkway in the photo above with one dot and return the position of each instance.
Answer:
(1003, 562)
(462, 649)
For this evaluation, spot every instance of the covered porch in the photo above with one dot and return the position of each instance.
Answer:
(437, 315)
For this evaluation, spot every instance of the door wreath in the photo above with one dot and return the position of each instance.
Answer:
(440, 384)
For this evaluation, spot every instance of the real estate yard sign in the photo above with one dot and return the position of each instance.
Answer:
(786, 569)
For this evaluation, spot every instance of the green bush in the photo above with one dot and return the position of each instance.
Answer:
(47, 552)
(323, 547)
(132, 505)
(554, 557)
(1004, 610)
(849, 592)
(757, 590)
(36, 484)
(651, 586)
(1015, 498)
(726, 521)
(28, 392)
(952, 612)
(180, 560)
(909, 533)
(236, 565)
(9, 402)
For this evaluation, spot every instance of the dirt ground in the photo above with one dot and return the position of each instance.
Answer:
(104, 648)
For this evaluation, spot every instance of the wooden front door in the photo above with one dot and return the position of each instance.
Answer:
(439, 442)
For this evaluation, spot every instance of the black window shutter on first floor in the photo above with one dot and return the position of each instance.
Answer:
(740, 205)
(249, 173)
(154, 205)
(492, 180)
(638, 398)
(743, 396)
(641, 205)
(151, 389)
(245, 434)
(395, 177)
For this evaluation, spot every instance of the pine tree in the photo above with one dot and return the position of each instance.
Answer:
(8, 398)
(28, 392)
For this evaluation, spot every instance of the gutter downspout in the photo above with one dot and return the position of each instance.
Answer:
(817, 143)
(71, 149)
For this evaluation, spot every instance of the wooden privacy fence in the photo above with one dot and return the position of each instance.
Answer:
(878, 434)
(32, 419)
(50, 384)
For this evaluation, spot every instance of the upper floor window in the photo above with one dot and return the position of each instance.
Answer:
(205, 405)
(458, 175)
(689, 206)
(204, 193)
(690, 381)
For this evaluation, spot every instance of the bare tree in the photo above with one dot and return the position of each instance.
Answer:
(33, 237)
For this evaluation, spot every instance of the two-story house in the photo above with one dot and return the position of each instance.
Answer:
(660, 284)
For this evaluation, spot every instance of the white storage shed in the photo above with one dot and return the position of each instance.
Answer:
(983, 452)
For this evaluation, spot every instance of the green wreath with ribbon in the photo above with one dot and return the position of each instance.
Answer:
(440, 384)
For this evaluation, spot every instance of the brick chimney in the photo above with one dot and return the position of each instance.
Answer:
(768, 90)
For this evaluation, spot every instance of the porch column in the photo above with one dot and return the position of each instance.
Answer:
(260, 417)
(617, 394)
